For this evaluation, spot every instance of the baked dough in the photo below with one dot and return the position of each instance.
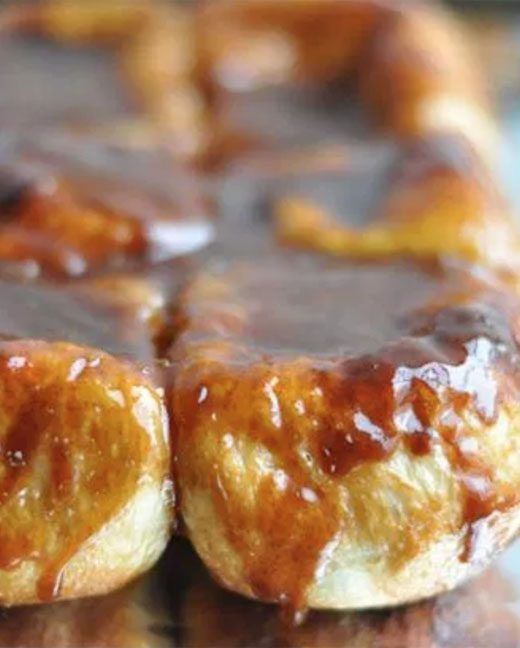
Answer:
(86, 495)
(346, 436)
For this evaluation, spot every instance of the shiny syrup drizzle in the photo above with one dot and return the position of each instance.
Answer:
(60, 403)
(68, 213)
(339, 367)
(62, 411)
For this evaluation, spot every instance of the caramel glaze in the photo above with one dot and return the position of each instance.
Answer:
(63, 407)
(416, 213)
(329, 371)
(87, 314)
(70, 414)
(71, 205)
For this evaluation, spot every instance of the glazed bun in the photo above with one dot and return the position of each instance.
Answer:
(345, 422)
(86, 497)
(346, 436)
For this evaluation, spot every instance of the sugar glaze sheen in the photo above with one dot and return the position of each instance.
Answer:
(334, 471)
(329, 450)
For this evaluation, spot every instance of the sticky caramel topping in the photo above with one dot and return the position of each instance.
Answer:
(71, 205)
(83, 315)
(417, 213)
(293, 383)
(300, 378)
(70, 416)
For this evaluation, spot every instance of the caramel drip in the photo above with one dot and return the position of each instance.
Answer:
(72, 206)
(316, 414)
(69, 421)
(294, 519)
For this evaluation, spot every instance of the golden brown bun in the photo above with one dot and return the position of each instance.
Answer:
(257, 42)
(177, 64)
(423, 56)
(83, 22)
(411, 59)
(441, 200)
(346, 437)
(86, 497)
(160, 61)
(158, 56)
